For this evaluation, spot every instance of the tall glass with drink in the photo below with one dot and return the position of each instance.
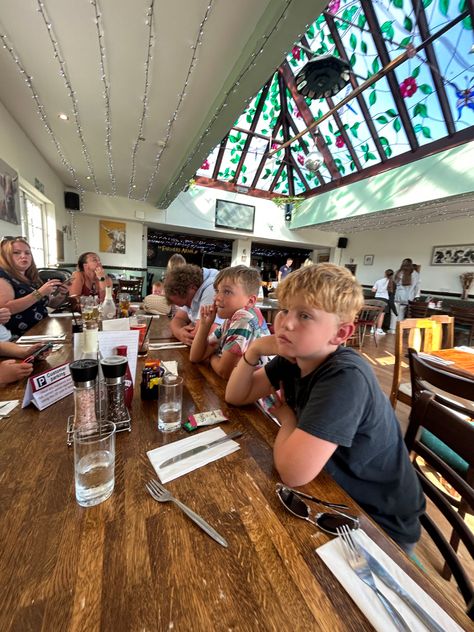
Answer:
(170, 397)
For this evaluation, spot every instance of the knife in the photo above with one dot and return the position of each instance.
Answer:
(389, 581)
(199, 448)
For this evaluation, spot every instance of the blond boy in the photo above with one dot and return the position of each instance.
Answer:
(236, 294)
(332, 411)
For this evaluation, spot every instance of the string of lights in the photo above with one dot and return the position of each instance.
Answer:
(149, 57)
(72, 95)
(232, 90)
(174, 116)
(106, 93)
(41, 110)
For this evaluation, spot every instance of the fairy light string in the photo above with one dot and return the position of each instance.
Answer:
(149, 57)
(72, 95)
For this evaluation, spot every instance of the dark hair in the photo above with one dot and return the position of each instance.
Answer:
(404, 272)
(180, 279)
(83, 260)
(390, 284)
(249, 278)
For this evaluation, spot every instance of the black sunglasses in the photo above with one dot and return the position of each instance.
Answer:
(328, 522)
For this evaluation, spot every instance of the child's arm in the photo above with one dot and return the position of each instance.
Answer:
(246, 384)
(12, 350)
(298, 456)
(224, 365)
(200, 348)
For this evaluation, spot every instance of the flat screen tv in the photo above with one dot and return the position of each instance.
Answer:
(234, 215)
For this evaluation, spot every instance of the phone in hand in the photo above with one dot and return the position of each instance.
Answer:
(31, 358)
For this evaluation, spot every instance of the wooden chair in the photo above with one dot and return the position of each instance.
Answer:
(417, 309)
(424, 334)
(464, 321)
(366, 322)
(433, 413)
(133, 287)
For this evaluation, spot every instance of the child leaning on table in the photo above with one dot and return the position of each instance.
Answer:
(332, 411)
(236, 294)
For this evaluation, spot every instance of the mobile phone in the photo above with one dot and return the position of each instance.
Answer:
(31, 358)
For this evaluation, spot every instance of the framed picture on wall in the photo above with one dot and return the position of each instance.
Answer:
(458, 255)
(234, 215)
(368, 260)
(9, 194)
(112, 237)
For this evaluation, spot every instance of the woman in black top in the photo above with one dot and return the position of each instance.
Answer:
(21, 289)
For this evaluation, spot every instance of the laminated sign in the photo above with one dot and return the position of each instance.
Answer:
(48, 387)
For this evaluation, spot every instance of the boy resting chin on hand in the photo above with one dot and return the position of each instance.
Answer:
(236, 294)
(332, 411)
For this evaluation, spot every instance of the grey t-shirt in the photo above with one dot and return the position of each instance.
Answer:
(342, 402)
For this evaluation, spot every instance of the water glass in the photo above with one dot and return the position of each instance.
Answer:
(94, 463)
(170, 397)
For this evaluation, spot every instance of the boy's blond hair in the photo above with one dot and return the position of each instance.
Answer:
(324, 286)
(249, 278)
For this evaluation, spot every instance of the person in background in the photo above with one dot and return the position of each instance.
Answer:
(285, 270)
(188, 287)
(174, 261)
(89, 279)
(332, 411)
(407, 287)
(21, 289)
(236, 293)
(384, 290)
(156, 303)
(307, 262)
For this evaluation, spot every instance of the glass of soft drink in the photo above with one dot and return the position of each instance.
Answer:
(124, 304)
(140, 323)
(170, 397)
(94, 463)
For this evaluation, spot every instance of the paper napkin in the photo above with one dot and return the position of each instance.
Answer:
(7, 406)
(41, 338)
(171, 366)
(176, 470)
(333, 556)
(465, 349)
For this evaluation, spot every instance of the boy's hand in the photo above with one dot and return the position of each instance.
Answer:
(11, 371)
(207, 315)
(264, 346)
(5, 315)
(280, 409)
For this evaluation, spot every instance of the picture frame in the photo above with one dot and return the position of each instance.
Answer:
(234, 216)
(112, 237)
(454, 255)
(9, 194)
(368, 260)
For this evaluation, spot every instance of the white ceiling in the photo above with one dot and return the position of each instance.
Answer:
(199, 75)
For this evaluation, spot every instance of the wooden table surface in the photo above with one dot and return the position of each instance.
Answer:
(131, 563)
(463, 361)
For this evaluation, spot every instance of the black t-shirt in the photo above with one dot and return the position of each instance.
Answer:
(342, 402)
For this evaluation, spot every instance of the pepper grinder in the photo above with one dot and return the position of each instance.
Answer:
(114, 369)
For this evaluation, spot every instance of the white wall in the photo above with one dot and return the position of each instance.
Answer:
(389, 247)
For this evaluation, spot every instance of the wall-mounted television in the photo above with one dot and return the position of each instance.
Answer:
(234, 215)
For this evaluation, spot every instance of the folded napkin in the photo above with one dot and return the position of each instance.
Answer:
(7, 406)
(171, 366)
(433, 358)
(166, 345)
(465, 349)
(42, 338)
(333, 556)
(191, 463)
(64, 314)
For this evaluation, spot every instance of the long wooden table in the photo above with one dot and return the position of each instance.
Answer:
(131, 563)
(463, 361)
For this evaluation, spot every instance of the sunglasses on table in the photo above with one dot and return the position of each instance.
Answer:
(326, 521)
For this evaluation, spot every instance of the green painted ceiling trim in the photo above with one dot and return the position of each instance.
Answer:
(445, 174)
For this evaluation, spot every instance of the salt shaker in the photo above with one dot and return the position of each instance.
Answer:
(84, 376)
(114, 369)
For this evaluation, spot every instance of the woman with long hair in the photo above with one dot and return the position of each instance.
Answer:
(407, 283)
(21, 289)
(89, 279)
(384, 290)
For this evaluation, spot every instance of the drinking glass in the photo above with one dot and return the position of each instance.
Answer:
(170, 396)
(124, 304)
(140, 324)
(94, 463)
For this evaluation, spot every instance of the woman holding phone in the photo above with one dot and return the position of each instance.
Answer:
(21, 289)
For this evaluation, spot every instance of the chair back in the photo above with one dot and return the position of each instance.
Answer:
(46, 274)
(133, 287)
(448, 329)
(365, 321)
(464, 320)
(424, 334)
(435, 415)
(417, 309)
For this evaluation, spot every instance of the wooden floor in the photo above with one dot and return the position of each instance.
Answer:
(381, 358)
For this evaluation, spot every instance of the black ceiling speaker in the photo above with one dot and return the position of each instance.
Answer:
(72, 201)
(342, 242)
(288, 211)
(323, 76)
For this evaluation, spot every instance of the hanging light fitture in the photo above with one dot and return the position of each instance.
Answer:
(322, 77)
(314, 160)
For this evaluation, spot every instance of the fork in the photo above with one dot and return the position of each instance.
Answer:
(163, 495)
(359, 565)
